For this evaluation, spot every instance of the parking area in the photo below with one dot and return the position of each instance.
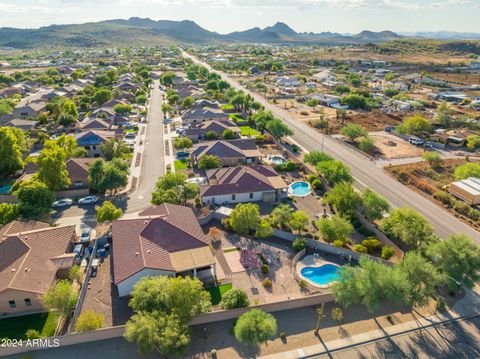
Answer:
(392, 147)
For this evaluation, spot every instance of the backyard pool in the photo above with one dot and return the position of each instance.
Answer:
(324, 275)
(299, 189)
(276, 160)
(5, 189)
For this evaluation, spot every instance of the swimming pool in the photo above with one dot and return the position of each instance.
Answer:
(5, 189)
(277, 160)
(299, 189)
(323, 275)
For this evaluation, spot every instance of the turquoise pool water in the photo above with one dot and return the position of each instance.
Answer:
(5, 189)
(277, 160)
(322, 275)
(300, 189)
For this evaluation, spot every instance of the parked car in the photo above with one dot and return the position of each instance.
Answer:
(130, 135)
(182, 154)
(62, 203)
(88, 200)
(94, 268)
(85, 237)
(417, 141)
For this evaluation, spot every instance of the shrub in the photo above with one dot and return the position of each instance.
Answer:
(311, 178)
(282, 335)
(337, 314)
(462, 208)
(387, 252)
(298, 244)
(302, 283)
(444, 197)
(234, 298)
(317, 184)
(280, 167)
(267, 282)
(360, 249)
(33, 334)
(365, 231)
(265, 269)
(290, 166)
(339, 243)
(367, 145)
(372, 244)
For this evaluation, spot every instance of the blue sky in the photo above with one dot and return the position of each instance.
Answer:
(229, 15)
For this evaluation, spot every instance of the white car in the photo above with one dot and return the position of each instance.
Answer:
(88, 200)
(62, 203)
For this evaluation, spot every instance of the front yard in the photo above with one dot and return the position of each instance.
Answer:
(15, 327)
(248, 131)
(181, 165)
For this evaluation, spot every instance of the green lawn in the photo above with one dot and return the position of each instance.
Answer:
(15, 327)
(248, 131)
(180, 165)
(217, 292)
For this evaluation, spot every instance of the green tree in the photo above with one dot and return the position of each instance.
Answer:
(422, 277)
(208, 162)
(344, 198)
(255, 327)
(353, 131)
(52, 168)
(278, 129)
(166, 78)
(172, 188)
(367, 145)
(415, 125)
(299, 221)
(102, 95)
(444, 115)
(187, 102)
(245, 218)
(264, 229)
(374, 204)
(228, 134)
(335, 228)
(61, 297)
(166, 108)
(34, 198)
(89, 320)
(211, 135)
(115, 175)
(433, 158)
(11, 150)
(67, 143)
(8, 212)
(409, 226)
(96, 172)
(458, 258)
(469, 169)
(473, 142)
(334, 172)
(282, 215)
(234, 298)
(142, 329)
(182, 143)
(107, 212)
(114, 148)
(123, 109)
(315, 157)
(354, 101)
(299, 244)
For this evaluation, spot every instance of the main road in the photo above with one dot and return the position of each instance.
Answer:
(366, 174)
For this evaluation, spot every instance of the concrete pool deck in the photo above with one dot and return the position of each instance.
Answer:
(312, 261)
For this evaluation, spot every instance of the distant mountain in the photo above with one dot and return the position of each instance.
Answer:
(444, 35)
(281, 28)
(140, 31)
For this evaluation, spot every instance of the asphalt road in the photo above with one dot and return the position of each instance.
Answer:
(456, 340)
(365, 172)
(153, 157)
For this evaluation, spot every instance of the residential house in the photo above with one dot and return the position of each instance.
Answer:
(287, 82)
(203, 103)
(94, 124)
(243, 184)
(199, 132)
(166, 240)
(198, 115)
(92, 140)
(230, 153)
(29, 110)
(25, 125)
(467, 190)
(327, 100)
(32, 256)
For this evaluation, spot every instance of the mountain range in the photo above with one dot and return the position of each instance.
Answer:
(142, 31)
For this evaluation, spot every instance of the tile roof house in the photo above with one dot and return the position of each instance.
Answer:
(94, 124)
(91, 140)
(231, 153)
(199, 132)
(22, 124)
(29, 110)
(166, 240)
(197, 115)
(32, 256)
(243, 184)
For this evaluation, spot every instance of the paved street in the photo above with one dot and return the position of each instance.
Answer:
(153, 164)
(456, 340)
(365, 172)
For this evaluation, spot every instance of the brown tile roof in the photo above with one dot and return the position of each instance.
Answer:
(235, 180)
(15, 227)
(228, 149)
(29, 259)
(149, 241)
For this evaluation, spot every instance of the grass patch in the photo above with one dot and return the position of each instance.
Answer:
(217, 292)
(248, 131)
(232, 249)
(180, 165)
(237, 117)
(15, 327)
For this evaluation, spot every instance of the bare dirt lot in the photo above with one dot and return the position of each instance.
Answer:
(392, 147)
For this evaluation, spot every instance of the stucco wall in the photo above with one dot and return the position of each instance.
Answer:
(19, 297)
(239, 198)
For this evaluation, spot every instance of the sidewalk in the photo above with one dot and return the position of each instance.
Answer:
(467, 307)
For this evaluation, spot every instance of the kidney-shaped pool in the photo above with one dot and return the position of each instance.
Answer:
(323, 275)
